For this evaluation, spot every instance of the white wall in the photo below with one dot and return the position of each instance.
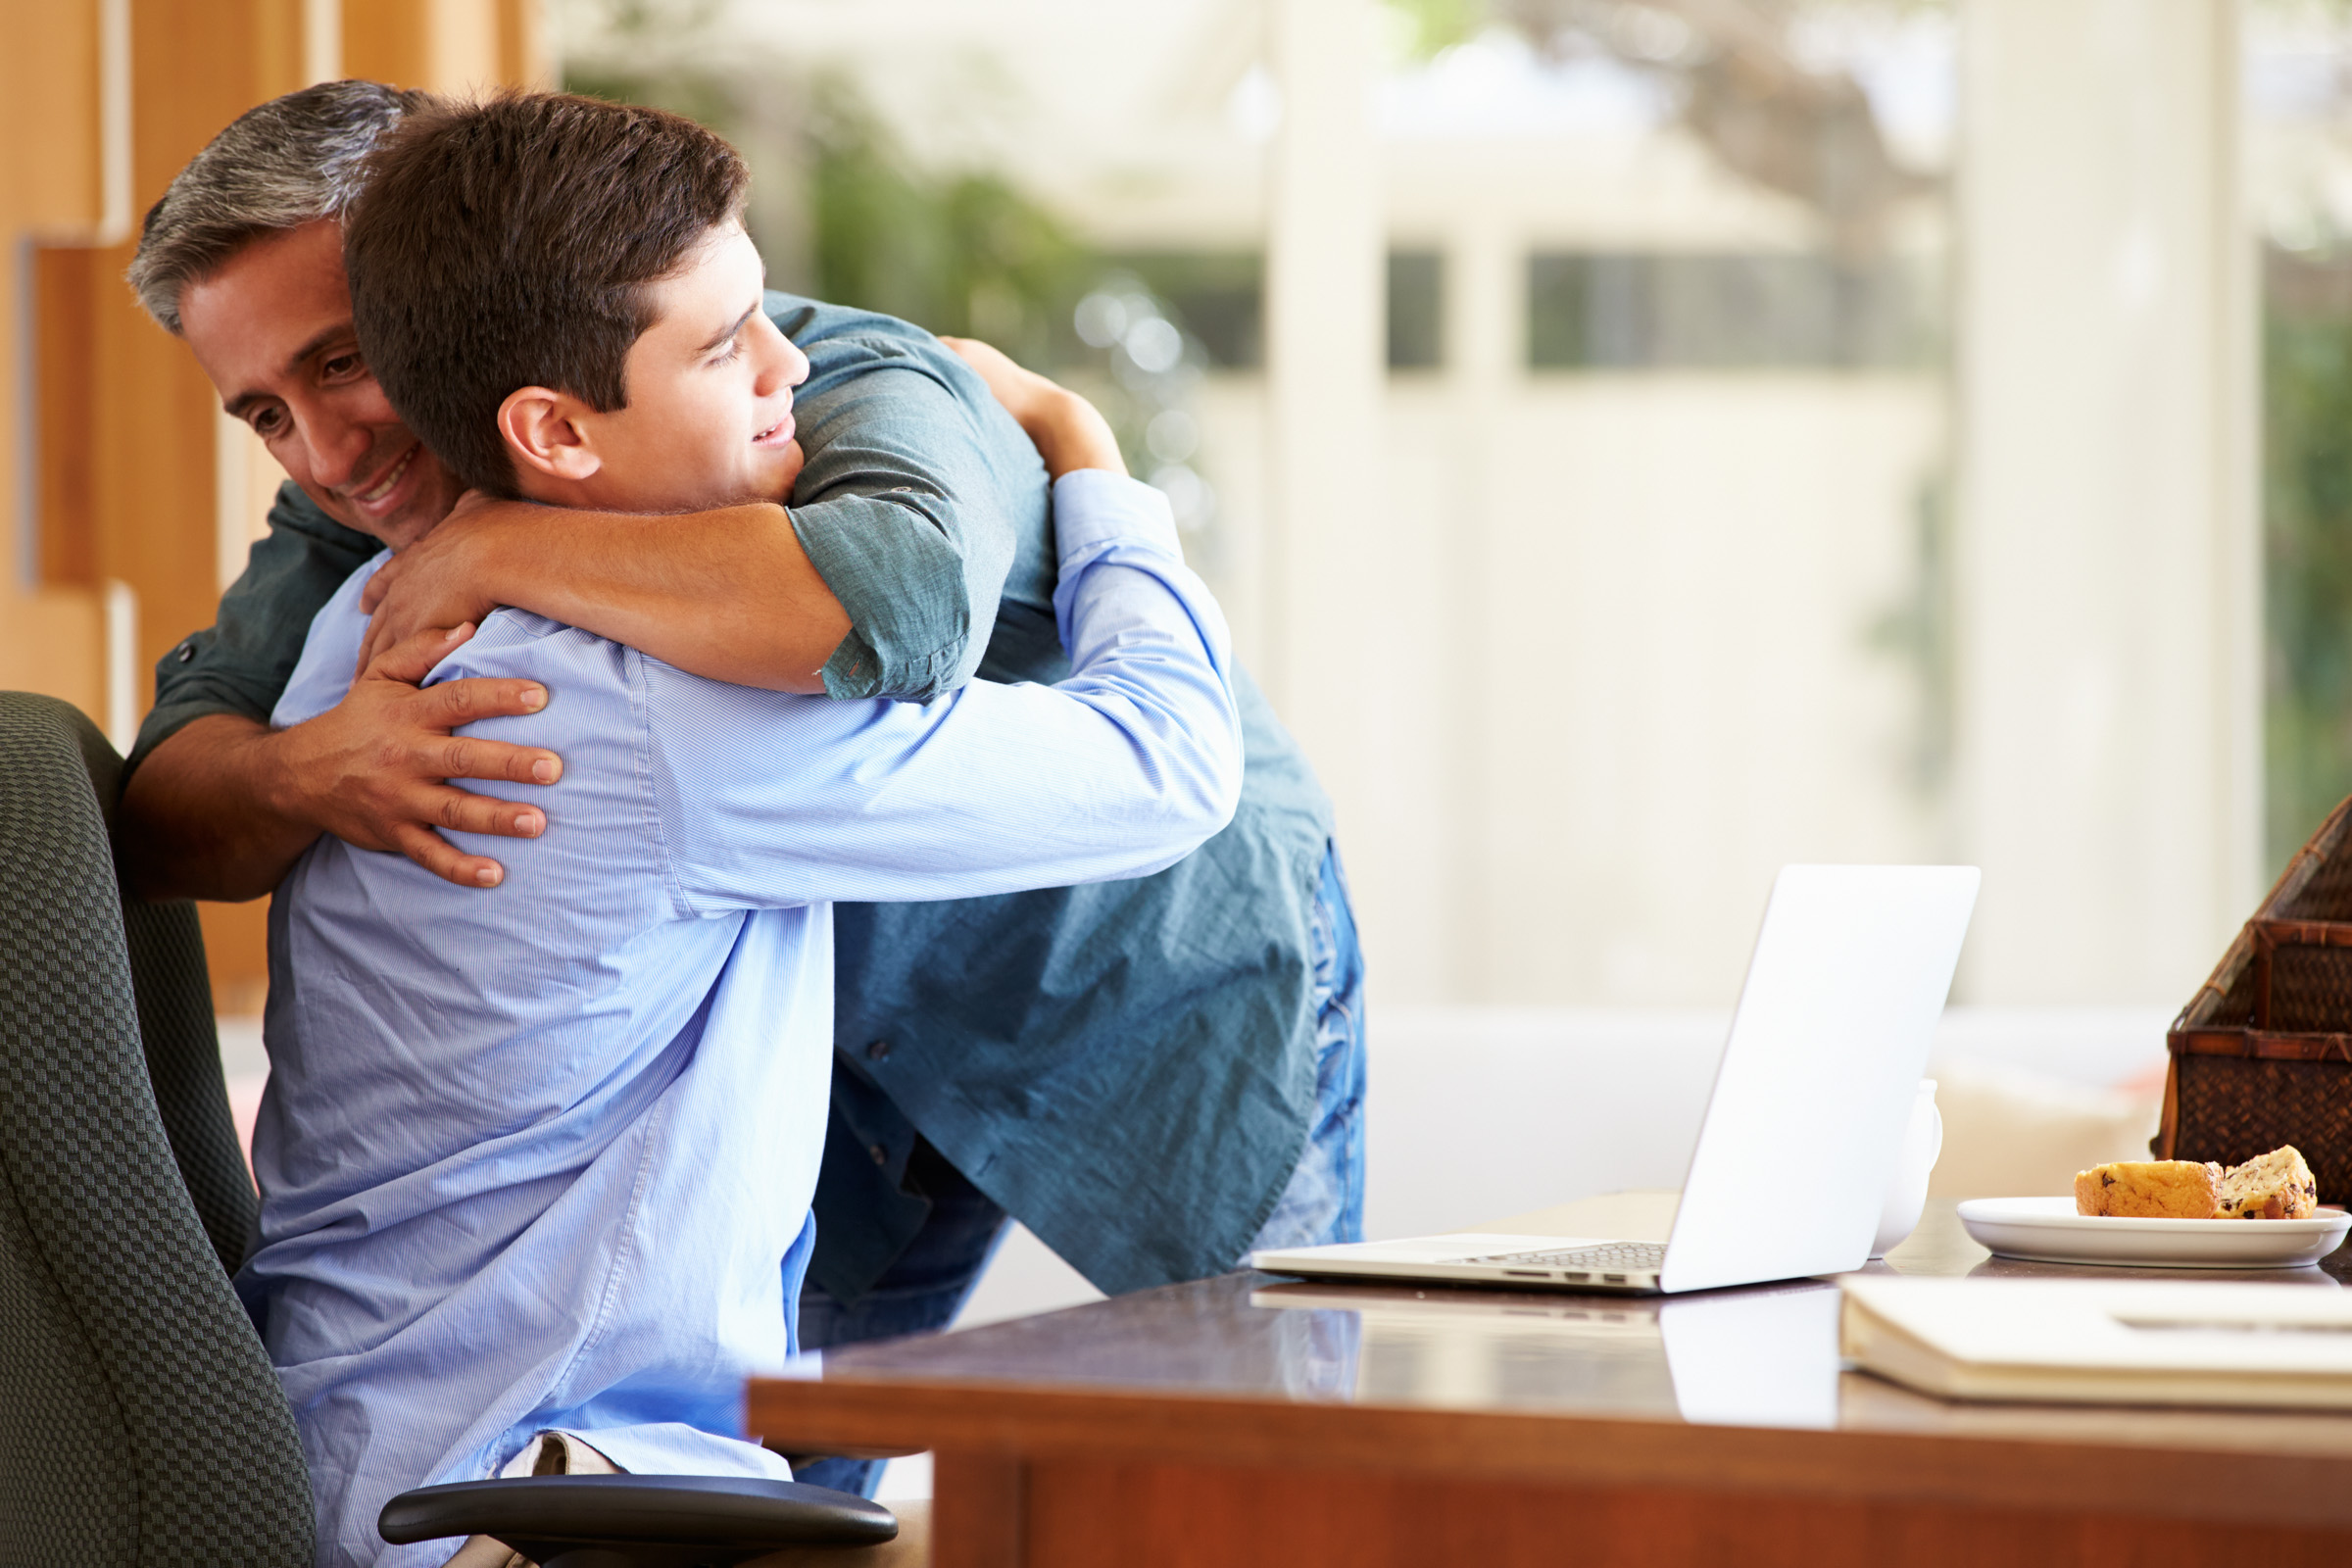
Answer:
(2109, 624)
(1627, 673)
(1589, 661)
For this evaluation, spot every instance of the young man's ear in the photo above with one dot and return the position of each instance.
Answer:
(547, 434)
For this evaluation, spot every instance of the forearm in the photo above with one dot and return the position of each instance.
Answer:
(728, 595)
(1069, 433)
(208, 815)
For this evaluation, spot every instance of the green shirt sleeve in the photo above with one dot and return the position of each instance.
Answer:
(240, 663)
(918, 492)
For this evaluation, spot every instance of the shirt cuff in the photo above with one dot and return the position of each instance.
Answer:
(1093, 506)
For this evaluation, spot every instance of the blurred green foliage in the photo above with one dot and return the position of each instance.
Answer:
(2307, 528)
(960, 252)
(700, 97)
(1430, 25)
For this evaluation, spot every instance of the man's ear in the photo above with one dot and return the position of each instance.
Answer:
(547, 433)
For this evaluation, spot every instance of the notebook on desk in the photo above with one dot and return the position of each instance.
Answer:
(1805, 1127)
(2104, 1342)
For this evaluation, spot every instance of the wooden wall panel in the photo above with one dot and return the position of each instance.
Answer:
(65, 425)
(152, 513)
(196, 65)
(452, 46)
(128, 440)
(236, 953)
(51, 183)
(386, 40)
(127, 418)
(50, 177)
(127, 434)
(524, 60)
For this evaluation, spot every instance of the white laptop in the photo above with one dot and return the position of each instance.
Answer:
(1806, 1122)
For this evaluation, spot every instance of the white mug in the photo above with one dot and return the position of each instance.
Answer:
(1907, 1194)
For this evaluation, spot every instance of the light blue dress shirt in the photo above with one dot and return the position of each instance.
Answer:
(541, 1156)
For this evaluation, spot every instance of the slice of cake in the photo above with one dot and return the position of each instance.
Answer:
(2151, 1189)
(2273, 1186)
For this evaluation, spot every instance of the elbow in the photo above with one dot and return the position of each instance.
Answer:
(1208, 790)
(1227, 799)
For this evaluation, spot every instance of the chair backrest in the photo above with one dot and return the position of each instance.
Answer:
(140, 1422)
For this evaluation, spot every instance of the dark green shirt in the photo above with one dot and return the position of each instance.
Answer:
(1128, 1068)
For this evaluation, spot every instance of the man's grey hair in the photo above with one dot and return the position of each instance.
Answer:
(292, 161)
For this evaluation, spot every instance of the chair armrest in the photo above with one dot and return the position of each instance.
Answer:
(650, 1521)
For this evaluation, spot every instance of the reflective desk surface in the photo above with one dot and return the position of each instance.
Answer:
(1251, 1418)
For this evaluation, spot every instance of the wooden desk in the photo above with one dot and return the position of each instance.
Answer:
(1247, 1421)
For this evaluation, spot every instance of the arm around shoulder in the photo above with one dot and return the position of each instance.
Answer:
(729, 594)
(1068, 432)
(1119, 771)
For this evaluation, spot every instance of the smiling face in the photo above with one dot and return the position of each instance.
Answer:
(272, 327)
(709, 419)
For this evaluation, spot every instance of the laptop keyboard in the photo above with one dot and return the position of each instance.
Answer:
(1614, 1256)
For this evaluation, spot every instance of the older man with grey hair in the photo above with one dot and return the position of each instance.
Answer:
(1155, 1076)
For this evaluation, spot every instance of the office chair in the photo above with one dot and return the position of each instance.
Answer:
(140, 1422)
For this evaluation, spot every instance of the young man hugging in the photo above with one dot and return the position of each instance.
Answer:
(536, 1161)
(1155, 1076)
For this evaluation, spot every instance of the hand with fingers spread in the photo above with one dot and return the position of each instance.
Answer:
(374, 770)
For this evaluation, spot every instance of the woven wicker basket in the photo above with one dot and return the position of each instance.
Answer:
(2261, 1055)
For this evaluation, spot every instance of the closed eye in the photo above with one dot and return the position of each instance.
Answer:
(730, 340)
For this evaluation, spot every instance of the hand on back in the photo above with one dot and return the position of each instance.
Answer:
(374, 770)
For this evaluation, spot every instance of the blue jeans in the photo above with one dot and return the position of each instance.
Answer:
(1323, 1200)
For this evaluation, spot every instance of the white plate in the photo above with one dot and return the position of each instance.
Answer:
(2047, 1230)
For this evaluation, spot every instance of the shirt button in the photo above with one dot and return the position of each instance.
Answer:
(879, 1050)
(881, 1155)
(187, 650)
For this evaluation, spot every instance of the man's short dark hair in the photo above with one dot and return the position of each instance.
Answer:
(510, 243)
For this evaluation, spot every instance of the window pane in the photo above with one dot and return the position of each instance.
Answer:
(2299, 136)
(1593, 310)
(1416, 310)
(1217, 296)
